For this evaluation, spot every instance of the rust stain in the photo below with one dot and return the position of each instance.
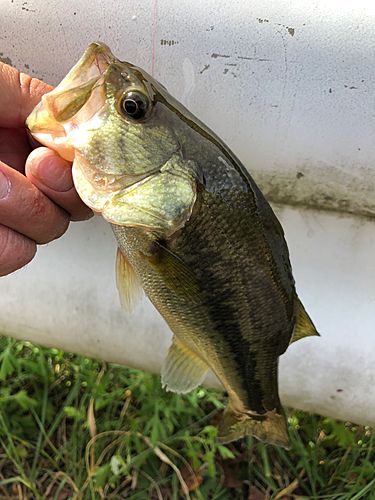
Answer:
(206, 66)
(4, 59)
(316, 186)
(26, 9)
(260, 59)
(169, 43)
(215, 55)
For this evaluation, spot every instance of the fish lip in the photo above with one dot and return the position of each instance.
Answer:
(103, 55)
(97, 56)
(42, 124)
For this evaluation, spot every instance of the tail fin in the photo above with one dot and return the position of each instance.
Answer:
(269, 427)
(304, 326)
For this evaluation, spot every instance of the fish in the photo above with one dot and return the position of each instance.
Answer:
(193, 231)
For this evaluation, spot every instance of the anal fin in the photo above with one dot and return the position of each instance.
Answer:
(304, 326)
(128, 284)
(183, 370)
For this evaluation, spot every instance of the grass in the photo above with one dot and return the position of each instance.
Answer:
(72, 427)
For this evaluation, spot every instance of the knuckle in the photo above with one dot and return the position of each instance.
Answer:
(15, 250)
(53, 231)
(82, 214)
(38, 206)
(62, 226)
(51, 219)
(4, 242)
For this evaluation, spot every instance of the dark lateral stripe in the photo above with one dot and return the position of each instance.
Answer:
(223, 315)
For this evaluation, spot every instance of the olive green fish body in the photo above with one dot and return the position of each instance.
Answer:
(192, 228)
(236, 307)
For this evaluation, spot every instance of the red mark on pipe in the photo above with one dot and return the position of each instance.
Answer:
(153, 38)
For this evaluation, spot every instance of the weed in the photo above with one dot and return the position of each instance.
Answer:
(73, 427)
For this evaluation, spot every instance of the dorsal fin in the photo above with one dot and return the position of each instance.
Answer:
(304, 327)
(128, 285)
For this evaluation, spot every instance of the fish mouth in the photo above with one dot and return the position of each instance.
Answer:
(92, 64)
(47, 123)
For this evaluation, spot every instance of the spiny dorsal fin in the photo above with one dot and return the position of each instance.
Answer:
(128, 285)
(183, 370)
(304, 327)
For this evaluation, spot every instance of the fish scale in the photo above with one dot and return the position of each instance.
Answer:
(193, 230)
(230, 314)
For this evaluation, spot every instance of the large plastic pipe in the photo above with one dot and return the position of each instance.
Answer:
(67, 298)
(289, 86)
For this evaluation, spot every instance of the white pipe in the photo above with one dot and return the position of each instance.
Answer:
(289, 86)
(67, 298)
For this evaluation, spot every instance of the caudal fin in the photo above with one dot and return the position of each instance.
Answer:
(304, 326)
(269, 427)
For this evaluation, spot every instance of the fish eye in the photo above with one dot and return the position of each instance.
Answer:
(134, 104)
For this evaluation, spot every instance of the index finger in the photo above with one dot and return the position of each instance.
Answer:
(19, 94)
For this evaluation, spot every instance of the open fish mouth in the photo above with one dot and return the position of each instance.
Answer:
(49, 120)
(80, 114)
(93, 63)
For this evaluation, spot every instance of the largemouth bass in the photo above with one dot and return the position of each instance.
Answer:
(193, 230)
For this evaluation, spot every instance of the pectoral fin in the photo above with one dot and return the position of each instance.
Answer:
(175, 273)
(183, 370)
(127, 281)
(304, 327)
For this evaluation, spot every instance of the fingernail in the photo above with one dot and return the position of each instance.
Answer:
(53, 172)
(4, 185)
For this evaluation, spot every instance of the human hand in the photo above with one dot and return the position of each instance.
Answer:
(37, 196)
